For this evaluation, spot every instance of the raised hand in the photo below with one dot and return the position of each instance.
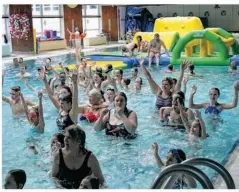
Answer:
(193, 89)
(104, 112)
(40, 94)
(197, 114)
(184, 64)
(155, 147)
(186, 79)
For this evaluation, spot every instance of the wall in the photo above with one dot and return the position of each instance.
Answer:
(23, 45)
(110, 21)
(72, 19)
(121, 16)
(228, 22)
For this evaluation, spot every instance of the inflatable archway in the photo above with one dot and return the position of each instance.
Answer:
(221, 59)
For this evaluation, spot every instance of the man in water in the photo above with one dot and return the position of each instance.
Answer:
(15, 101)
(155, 48)
(23, 73)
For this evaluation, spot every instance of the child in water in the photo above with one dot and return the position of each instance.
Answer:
(175, 156)
(15, 179)
(90, 182)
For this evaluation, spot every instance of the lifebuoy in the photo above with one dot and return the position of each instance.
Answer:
(19, 26)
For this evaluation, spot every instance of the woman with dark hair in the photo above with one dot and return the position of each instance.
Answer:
(172, 114)
(164, 93)
(66, 103)
(74, 162)
(213, 107)
(120, 121)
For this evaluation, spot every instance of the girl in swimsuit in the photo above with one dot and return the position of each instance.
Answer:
(172, 114)
(175, 156)
(74, 162)
(35, 119)
(120, 121)
(213, 107)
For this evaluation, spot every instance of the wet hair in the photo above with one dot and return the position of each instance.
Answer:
(68, 89)
(111, 89)
(181, 97)
(191, 68)
(169, 80)
(136, 69)
(16, 88)
(48, 58)
(122, 94)
(178, 154)
(124, 49)
(96, 92)
(21, 58)
(99, 70)
(156, 35)
(19, 176)
(39, 69)
(68, 98)
(218, 91)
(62, 73)
(175, 81)
(233, 67)
(60, 138)
(67, 69)
(78, 134)
(127, 81)
(170, 67)
(121, 71)
(139, 37)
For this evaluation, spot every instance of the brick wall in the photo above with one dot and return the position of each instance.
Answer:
(109, 12)
(74, 14)
(23, 45)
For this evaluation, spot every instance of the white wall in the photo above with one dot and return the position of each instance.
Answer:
(228, 22)
(121, 17)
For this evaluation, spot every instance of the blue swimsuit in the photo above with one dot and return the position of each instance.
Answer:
(212, 110)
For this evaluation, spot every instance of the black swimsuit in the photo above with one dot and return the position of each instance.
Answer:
(69, 178)
(64, 121)
(118, 130)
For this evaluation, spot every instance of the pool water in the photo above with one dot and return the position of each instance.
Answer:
(125, 164)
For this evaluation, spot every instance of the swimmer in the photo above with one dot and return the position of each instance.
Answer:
(175, 156)
(23, 73)
(138, 83)
(170, 69)
(154, 49)
(126, 84)
(142, 45)
(134, 73)
(213, 107)
(15, 62)
(57, 142)
(90, 182)
(48, 67)
(197, 128)
(130, 48)
(15, 101)
(21, 62)
(15, 179)
(110, 95)
(172, 114)
(233, 67)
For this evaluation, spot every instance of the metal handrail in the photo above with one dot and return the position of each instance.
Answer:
(213, 165)
(182, 169)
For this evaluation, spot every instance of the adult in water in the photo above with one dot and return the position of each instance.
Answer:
(154, 49)
(74, 162)
(164, 94)
(15, 101)
(120, 121)
(213, 107)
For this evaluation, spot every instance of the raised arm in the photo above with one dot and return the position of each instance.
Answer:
(235, 98)
(202, 124)
(101, 121)
(156, 155)
(41, 117)
(155, 89)
(183, 66)
(185, 81)
(74, 109)
(49, 91)
(24, 106)
(191, 103)
(184, 117)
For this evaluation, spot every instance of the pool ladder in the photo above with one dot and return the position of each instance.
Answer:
(168, 176)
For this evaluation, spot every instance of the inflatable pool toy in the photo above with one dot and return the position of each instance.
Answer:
(115, 64)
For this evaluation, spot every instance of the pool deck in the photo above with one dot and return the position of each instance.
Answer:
(30, 56)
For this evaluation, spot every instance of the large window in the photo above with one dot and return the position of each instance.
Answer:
(91, 18)
(48, 17)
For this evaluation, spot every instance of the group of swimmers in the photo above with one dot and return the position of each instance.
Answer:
(74, 166)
